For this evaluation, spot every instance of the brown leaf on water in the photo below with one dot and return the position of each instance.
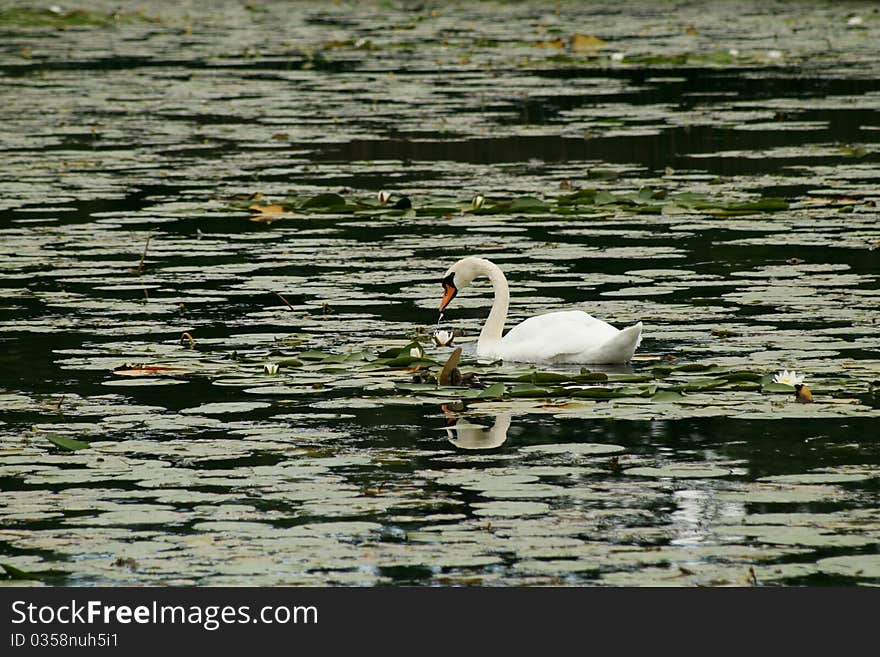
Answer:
(580, 42)
(446, 374)
(267, 213)
(141, 369)
(832, 200)
(802, 394)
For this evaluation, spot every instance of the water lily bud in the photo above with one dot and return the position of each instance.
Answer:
(477, 202)
(443, 338)
(416, 352)
(383, 197)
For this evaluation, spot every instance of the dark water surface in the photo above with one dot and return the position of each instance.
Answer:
(733, 161)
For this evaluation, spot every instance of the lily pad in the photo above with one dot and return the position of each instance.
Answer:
(579, 449)
(865, 566)
(679, 471)
(67, 444)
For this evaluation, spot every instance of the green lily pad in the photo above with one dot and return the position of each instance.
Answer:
(667, 396)
(494, 391)
(581, 449)
(679, 471)
(327, 200)
(817, 478)
(68, 444)
(527, 390)
(609, 393)
(865, 566)
(17, 573)
(778, 388)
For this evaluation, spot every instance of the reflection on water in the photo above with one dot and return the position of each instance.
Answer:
(129, 160)
(698, 511)
(467, 434)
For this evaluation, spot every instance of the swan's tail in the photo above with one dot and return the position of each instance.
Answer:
(626, 342)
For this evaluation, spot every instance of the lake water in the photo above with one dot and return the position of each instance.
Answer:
(189, 194)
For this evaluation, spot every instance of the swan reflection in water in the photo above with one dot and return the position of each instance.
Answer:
(465, 434)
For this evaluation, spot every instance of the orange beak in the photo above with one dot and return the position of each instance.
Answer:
(449, 293)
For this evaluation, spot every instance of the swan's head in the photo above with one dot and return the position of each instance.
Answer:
(459, 276)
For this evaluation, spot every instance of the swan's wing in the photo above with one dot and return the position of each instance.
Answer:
(551, 336)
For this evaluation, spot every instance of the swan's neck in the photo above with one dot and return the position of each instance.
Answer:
(490, 336)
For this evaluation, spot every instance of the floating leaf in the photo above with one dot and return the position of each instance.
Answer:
(855, 565)
(530, 391)
(742, 376)
(580, 42)
(778, 387)
(312, 355)
(445, 376)
(582, 196)
(582, 449)
(609, 393)
(604, 198)
(555, 43)
(147, 370)
(17, 573)
(67, 444)
(667, 396)
(679, 471)
(324, 201)
(267, 213)
(695, 367)
(495, 391)
(527, 204)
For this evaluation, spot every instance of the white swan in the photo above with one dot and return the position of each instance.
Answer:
(570, 336)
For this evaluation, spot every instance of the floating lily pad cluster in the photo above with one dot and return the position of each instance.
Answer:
(422, 375)
(583, 201)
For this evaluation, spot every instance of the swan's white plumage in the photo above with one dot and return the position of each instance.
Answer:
(570, 336)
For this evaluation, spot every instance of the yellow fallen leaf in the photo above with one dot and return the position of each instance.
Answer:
(267, 213)
(585, 42)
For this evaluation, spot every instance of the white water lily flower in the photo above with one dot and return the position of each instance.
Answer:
(617, 56)
(733, 52)
(477, 202)
(270, 368)
(416, 352)
(788, 378)
(854, 20)
(383, 197)
(442, 338)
